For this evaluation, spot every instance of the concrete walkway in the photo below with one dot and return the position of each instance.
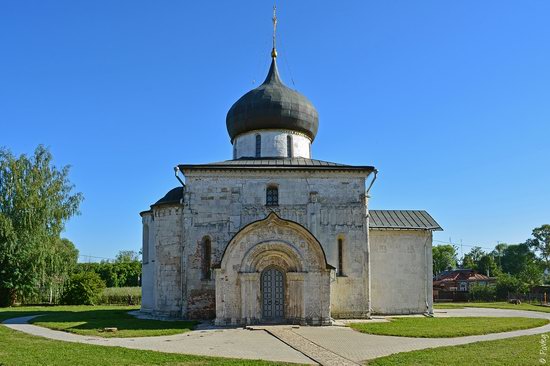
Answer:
(308, 345)
(235, 343)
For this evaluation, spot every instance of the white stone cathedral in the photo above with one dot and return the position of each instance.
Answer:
(274, 236)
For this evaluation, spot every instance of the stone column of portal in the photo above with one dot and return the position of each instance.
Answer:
(295, 308)
(220, 308)
(324, 288)
(250, 297)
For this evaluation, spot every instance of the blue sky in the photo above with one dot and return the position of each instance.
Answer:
(449, 100)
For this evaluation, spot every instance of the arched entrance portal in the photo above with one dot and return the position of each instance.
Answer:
(275, 271)
(273, 295)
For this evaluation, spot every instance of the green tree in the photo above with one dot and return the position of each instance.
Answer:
(130, 273)
(509, 285)
(87, 267)
(530, 276)
(444, 257)
(128, 268)
(124, 271)
(126, 256)
(498, 252)
(472, 258)
(60, 262)
(516, 258)
(468, 262)
(541, 243)
(488, 266)
(36, 200)
(110, 273)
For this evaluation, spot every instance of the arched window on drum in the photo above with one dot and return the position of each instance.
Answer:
(258, 146)
(289, 147)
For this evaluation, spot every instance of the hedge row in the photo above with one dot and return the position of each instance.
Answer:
(121, 296)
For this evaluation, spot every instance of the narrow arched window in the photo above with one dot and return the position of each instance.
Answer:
(206, 257)
(235, 150)
(289, 146)
(258, 146)
(340, 257)
(145, 241)
(272, 196)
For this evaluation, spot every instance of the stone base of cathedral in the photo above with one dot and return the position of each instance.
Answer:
(256, 321)
(352, 315)
(157, 315)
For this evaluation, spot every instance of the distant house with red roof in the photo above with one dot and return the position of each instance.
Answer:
(455, 284)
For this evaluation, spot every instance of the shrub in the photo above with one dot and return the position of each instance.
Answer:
(115, 274)
(508, 284)
(121, 296)
(479, 292)
(84, 289)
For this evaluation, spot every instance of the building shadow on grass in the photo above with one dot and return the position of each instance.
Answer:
(101, 319)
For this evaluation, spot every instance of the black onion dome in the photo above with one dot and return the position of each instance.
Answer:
(272, 105)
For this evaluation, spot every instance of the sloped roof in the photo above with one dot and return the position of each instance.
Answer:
(402, 219)
(276, 163)
(175, 195)
(460, 275)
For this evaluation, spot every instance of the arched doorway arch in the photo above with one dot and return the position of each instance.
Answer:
(298, 257)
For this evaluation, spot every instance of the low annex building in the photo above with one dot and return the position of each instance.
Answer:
(276, 236)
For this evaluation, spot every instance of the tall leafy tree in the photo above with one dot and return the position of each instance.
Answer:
(472, 258)
(498, 252)
(126, 256)
(36, 200)
(60, 262)
(444, 257)
(541, 243)
(128, 267)
(125, 270)
(488, 266)
(531, 276)
(516, 258)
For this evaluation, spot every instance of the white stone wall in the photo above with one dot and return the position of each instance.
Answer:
(401, 271)
(274, 144)
(328, 204)
(168, 272)
(148, 278)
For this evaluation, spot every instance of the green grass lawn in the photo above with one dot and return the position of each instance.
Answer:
(446, 327)
(20, 349)
(494, 305)
(518, 351)
(90, 320)
(17, 348)
(86, 321)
